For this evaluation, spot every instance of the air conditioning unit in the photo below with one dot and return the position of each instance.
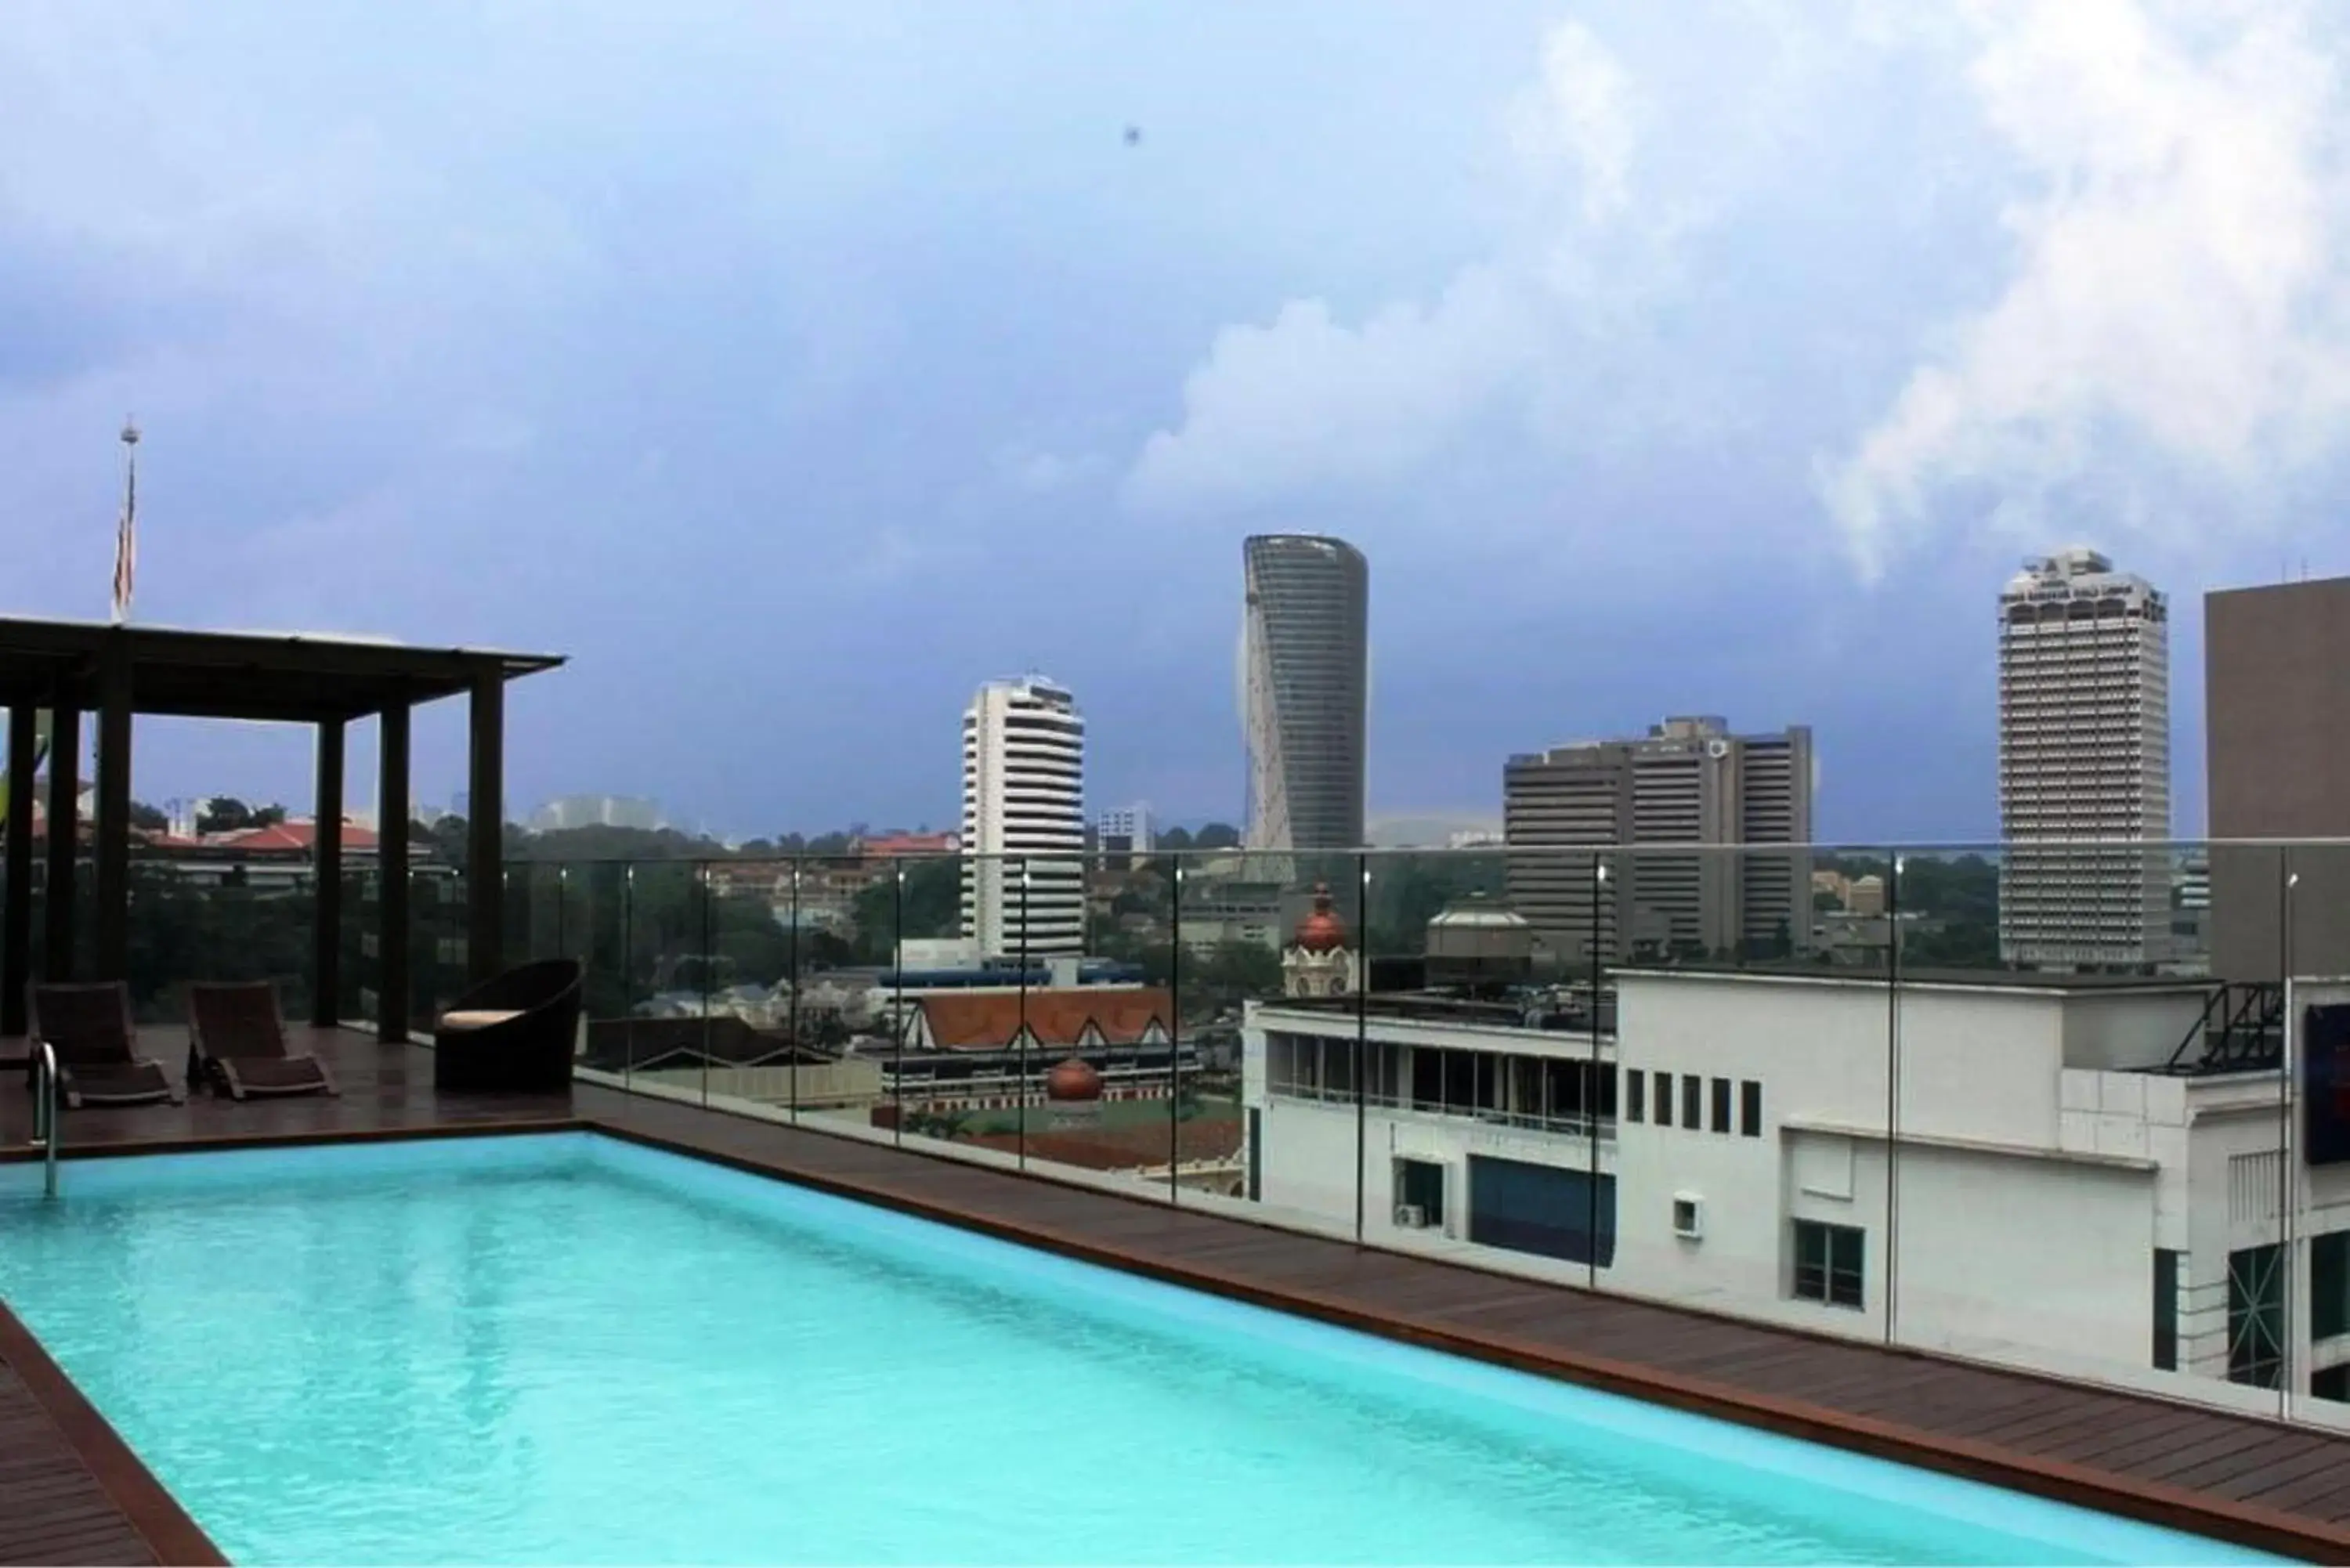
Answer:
(1411, 1217)
(1689, 1216)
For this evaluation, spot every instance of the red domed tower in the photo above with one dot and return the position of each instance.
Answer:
(1319, 961)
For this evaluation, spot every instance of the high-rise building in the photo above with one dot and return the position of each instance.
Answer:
(1023, 822)
(1304, 691)
(2276, 698)
(2083, 760)
(1123, 835)
(1688, 781)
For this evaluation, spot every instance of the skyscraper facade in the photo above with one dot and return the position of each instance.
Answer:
(1304, 682)
(1688, 781)
(2084, 755)
(1024, 822)
(2276, 747)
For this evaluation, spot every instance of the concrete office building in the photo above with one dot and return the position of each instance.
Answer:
(1304, 682)
(2084, 754)
(2276, 696)
(1688, 782)
(1024, 822)
(2086, 1179)
(1123, 835)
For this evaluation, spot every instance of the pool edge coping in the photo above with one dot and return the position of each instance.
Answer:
(2151, 1502)
(145, 1503)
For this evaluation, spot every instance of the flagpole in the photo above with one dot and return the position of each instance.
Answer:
(126, 534)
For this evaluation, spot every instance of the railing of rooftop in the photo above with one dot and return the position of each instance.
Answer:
(2081, 1108)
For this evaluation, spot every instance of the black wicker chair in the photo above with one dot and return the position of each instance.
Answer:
(516, 1034)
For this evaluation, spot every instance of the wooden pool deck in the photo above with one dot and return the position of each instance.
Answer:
(69, 1491)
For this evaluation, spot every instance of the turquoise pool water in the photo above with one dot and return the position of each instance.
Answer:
(568, 1349)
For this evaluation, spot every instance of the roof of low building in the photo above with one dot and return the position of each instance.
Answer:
(1857, 974)
(984, 1021)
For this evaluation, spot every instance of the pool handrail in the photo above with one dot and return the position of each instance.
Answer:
(45, 1113)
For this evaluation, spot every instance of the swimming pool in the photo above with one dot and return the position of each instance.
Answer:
(566, 1348)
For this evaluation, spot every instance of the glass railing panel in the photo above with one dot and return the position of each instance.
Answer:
(2314, 1239)
(1271, 952)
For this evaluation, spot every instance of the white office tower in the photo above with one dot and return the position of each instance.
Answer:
(2084, 760)
(1023, 822)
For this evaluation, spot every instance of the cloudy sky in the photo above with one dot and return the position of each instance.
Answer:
(796, 366)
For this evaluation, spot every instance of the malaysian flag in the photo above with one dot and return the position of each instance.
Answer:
(126, 533)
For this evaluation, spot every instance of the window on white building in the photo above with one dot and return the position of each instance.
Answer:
(2256, 1316)
(1420, 1185)
(2329, 1285)
(1635, 1099)
(1830, 1263)
(2166, 1309)
(1692, 1102)
(1664, 1099)
(1750, 1109)
(1721, 1104)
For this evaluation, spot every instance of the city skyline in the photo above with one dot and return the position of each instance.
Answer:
(1640, 358)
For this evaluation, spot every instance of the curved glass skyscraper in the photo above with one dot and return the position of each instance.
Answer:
(1305, 686)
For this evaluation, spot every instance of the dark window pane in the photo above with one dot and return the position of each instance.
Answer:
(1830, 1263)
(1750, 1108)
(2165, 1309)
(1635, 1099)
(2329, 1285)
(1692, 1101)
(1721, 1104)
(2256, 1317)
(1664, 1099)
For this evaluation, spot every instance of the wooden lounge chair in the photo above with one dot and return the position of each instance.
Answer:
(89, 1028)
(516, 1034)
(237, 1043)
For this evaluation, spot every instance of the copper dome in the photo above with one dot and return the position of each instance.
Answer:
(1075, 1079)
(1320, 931)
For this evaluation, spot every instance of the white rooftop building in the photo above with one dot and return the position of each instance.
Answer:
(2092, 1177)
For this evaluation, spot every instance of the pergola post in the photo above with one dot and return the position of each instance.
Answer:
(486, 827)
(113, 824)
(65, 841)
(17, 920)
(327, 870)
(393, 927)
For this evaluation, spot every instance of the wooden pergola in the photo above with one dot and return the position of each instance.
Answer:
(112, 672)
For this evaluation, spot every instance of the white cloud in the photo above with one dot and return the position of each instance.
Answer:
(1310, 400)
(2179, 302)
(1584, 114)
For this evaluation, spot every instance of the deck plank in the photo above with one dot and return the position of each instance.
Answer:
(2243, 1476)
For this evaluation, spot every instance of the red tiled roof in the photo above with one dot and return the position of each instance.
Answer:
(289, 838)
(982, 1021)
(909, 844)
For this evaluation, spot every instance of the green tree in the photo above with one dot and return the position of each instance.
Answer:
(224, 814)
(1408, 891)
(931, 907)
